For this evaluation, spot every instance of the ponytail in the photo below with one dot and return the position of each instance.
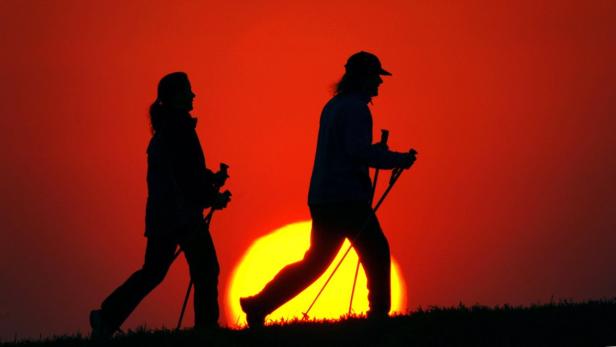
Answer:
(156, 115)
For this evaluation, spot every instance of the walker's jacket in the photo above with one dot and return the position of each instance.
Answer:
(179, 184)
(345, 152)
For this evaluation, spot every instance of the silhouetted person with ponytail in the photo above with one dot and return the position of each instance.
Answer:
(340, 196)
(179, 188)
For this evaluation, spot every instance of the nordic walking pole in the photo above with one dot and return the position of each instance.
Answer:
(384, 138)
(354, 283)
(394, 177)
(207, 220)
(190, 284)
(383, 142)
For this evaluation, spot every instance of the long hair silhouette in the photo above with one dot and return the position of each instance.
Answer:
(348, 83)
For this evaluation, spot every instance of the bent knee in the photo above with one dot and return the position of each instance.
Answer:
(316, 264)
(381, 247)
(215, 270)
(154, 276)
(207, 273)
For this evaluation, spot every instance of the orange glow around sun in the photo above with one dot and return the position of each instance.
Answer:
(270, 253)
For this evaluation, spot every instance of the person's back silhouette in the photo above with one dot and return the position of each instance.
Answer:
(179, 188)
(340, 196)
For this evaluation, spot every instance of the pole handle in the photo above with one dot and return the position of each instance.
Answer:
(384, 136)
(221, 176)
(224, 167)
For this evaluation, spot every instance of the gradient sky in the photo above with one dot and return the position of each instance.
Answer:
(510, 104)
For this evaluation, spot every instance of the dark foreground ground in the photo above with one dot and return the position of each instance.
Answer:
(562, 324)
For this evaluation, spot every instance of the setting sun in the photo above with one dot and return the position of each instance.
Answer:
(270, 253)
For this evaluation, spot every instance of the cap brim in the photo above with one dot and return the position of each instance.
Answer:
(384, 72)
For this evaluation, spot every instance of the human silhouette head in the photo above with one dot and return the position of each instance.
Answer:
(174, 93)
(363, 73)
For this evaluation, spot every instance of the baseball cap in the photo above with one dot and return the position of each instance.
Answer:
(365, 63)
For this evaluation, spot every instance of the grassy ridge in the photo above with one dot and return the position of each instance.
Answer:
(563, 324)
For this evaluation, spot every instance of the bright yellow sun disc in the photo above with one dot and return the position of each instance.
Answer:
(270, 253)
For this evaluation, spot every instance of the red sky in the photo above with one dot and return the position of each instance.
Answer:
(510, 104)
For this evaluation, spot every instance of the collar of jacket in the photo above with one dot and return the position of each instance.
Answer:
(180, 120)
(362, 96)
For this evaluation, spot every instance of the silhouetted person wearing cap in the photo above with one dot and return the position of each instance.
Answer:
(340, 196)
(179, 188)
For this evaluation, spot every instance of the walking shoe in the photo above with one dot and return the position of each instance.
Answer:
(377, 317)
(207, 330)
(100, 330)
(254, 315)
